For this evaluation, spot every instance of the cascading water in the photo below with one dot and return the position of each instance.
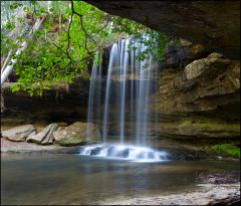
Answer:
(129, 84)
(124, 55)
(124, 152)
(94, 95)
(113, 55)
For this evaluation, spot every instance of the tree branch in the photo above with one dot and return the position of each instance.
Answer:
(87, 35)
(7, 71)
(69, 39)
(106, 24)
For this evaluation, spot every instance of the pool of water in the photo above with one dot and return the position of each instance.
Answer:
(73, 179)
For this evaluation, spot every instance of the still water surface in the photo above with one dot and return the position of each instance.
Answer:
(72, 179)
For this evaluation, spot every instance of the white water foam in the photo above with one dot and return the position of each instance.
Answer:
(124, 152)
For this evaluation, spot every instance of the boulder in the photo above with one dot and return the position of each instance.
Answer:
(44, 137)
(20, 133)
(214, 62)
(32, 134)
(77, 134)
(210, 84)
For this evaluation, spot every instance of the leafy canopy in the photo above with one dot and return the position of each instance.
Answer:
(67, 42)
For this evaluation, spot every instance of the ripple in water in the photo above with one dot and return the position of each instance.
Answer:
(124, 152)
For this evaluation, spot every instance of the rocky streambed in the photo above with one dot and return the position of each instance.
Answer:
(213, 189)
(222, 188)
(207, 194)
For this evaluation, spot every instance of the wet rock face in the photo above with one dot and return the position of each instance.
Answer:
(214, 24)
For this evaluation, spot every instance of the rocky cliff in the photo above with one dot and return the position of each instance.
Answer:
(198, 96)
(199, 91)
(199, 99)
(215, 24)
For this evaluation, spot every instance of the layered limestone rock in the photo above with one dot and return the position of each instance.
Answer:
(192, 89)
(201, 100)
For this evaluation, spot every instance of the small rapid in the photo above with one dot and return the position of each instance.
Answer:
(124, 152)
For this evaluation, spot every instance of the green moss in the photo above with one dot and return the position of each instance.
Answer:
(227, 149)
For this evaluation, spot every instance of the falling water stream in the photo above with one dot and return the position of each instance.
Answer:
(128, 88)
(107, 91)
(94, 95)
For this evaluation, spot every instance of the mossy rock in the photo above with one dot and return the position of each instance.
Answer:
(226, 150)
(78, 133)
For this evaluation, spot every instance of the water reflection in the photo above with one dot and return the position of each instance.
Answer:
(72, 179)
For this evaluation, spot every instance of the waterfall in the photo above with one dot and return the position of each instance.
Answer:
(143, 93)
(123, 72)
(94, 100)
(124, 62)
(126, 103)
(113, 56)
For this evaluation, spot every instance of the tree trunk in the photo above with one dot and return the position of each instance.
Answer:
(7, 71)
(2, 103)
(6, 61)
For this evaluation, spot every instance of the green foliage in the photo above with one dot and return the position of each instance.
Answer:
(63, 49)
(227, 149)
(156, 44)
